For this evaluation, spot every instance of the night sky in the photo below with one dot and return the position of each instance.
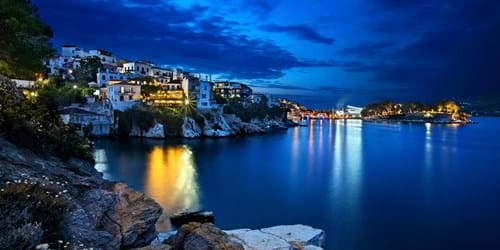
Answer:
(320, 53)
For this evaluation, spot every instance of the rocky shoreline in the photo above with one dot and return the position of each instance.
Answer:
(218, 125)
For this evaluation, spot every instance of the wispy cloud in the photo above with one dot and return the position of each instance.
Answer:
(300, 31)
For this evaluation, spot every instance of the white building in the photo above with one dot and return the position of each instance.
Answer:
(107, 74)
(71, 57)
(258, 97)
(205, 98)
(24, 84)
(123, 95)
(138, 68)
(98, 117)
(73, 51)
(198, 91)
(106, 57)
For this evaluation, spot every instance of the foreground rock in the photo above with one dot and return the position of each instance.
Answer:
(207, 236)
(179, 219)
(280, 237)
(197, 236)
(79, 207)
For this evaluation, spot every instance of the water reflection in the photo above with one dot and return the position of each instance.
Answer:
(348, 170)
(101, 162)
(171, 180)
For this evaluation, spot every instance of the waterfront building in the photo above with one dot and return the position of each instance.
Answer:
(174, 97)
(205, 98)
(123, 95)
(198, 92)
(95, 118)
(173, 85)
(229, 90)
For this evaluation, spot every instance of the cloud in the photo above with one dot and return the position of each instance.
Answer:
(366, 49)
(444, 49)
(301, 31)
(166, 34)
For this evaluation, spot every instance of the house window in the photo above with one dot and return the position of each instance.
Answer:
(121, 98)
(104, 77)
(203, 96)
(130, 97)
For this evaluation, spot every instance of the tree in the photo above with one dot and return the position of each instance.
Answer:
(88, 70)
(24, 40)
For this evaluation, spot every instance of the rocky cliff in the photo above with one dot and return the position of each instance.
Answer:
(46, 200)
(224, 125)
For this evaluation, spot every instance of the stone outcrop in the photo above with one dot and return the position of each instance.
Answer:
(217, 126)
(190, 129)
(97, 213)
(280, 237)
(157, 131)
(253, 127)
(197, 236)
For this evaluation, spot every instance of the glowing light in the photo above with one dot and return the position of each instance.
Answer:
(75, 87)
(186, 102)
(171, 180)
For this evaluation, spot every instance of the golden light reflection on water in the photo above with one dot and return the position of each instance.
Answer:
(171, 181)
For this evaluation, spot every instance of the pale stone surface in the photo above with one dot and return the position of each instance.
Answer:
(255, 239)
(190, 129)
(298, 233)
(280, 237)
(156, 131)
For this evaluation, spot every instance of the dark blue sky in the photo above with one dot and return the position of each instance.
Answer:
(321, 53)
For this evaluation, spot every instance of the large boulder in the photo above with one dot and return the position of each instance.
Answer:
(197, 236)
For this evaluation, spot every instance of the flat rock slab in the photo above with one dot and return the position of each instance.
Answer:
(280, 237)
(302, 234)
(255, 239)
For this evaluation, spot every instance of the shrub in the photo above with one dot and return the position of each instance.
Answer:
(36, 125)
(30, 214)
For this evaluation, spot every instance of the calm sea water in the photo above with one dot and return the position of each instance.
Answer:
(368, 185)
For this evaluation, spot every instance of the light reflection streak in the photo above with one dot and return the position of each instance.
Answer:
(295, 149)
(348, 168)
(171, 180)
(101, 162)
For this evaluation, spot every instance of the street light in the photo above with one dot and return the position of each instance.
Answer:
(75, 87)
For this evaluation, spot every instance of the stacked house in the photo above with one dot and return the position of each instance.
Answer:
(229, 90)
(121, 84)
(94, 118)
